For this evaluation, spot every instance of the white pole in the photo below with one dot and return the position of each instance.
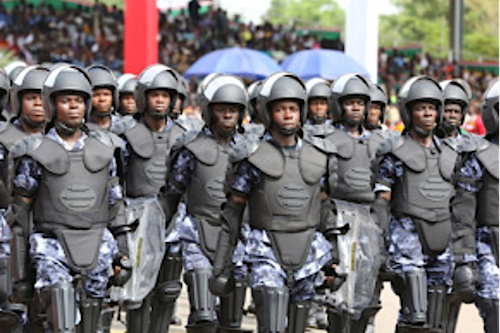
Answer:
(361, 30)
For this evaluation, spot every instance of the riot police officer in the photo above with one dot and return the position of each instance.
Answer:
(67, 179)
(415, 177)
(280, 178)
(198, 171)
(126, 88)
(318, 97)
(375, 117)
(104, 97)
(456, 104)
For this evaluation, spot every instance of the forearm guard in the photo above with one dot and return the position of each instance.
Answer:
(463, 208)
(19, 223)
(381, 209)
(330, 228)
(4, 196)
(169, 203)
(231, 217)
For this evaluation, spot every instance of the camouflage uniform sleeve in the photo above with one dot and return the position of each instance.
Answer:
(246, 178)
(181, 171)
(27, 177)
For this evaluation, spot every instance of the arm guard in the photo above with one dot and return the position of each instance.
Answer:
(22, 275)
(381, 209)
(329, 227)
(4, 196)
(463, 208)
(169, 203)
(231, 217)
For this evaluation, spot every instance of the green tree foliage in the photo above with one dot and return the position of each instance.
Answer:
(427, 22)
(306, 13)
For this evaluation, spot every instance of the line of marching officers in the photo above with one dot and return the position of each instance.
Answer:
(106, 195)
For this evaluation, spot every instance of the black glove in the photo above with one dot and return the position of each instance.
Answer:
(22, 292)
(122, 243)
(338, 279)
(465, 281)
(222, 281)
(123, 271)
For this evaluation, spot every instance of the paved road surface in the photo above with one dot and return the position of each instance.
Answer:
(468, 322)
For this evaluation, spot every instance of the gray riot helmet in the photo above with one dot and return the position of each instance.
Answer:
(223, 89)
(422, 89)
(317, 88)
(183, 92)
(101, 77)
(378, 95)
(29, 79)
(156, 77)
(489, 108)
(4, 88)
(253, 93)
(68, 79)
(126, 85)
(349, 86)
(457, 91)
(13, 68)
(280, 86)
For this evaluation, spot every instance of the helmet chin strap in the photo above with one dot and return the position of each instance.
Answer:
(420, 132)
(102, 114)
(317, 120)
(64, 129)
(285, 131)
(30, 123)
(447, 128)
(351, 123)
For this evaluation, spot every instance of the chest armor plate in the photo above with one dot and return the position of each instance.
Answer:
(146, 176)
(288, 203)
(426, 194)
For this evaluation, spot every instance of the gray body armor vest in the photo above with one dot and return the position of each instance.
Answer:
(425, 189)
(286, 204)
(487, 198)
(73, 190)
(205, 193)
(355, 175)
(424, 192)
(147, 169)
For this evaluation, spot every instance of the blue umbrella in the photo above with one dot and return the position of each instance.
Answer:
(237, 61)
(327, 64)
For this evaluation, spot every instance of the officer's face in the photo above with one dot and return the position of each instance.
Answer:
(158, 100)
(286, 113)
(225, 116)
(423, 115)
(31, 106)
(354, 108)
(318, 107)
(452, 114)
(374, 114)
(70, 109)
(102, 99)
(127, 103)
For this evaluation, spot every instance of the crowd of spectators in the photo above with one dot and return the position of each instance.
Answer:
(89, 35)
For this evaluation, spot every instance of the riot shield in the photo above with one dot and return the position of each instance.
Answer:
(359, 253)
(146, 246)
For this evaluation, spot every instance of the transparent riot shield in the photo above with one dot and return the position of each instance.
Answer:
(359, 253)
(146, 247)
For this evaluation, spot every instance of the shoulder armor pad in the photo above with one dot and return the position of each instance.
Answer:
(489, 158)
(140, 140)
(97, 154)
(3, 126)
(253, 130)
(268, 159)
(324, 145)
(481, 143)
(454, 143)
(107, 138)
(205, 149)
(190, 124)
(123, 124)
(318, 130)
(381, 138)
(184, 139)
(312, 162)
(411, 154)
(244, 148)
(26, 145)
(343, 142)
(52, 156)
(390, 143)
(10, 134)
